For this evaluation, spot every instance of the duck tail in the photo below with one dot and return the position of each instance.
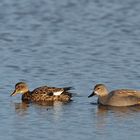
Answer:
(67, 88)
(67, 93)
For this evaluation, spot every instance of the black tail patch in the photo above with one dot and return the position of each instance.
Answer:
(67, 88)
(67, 93)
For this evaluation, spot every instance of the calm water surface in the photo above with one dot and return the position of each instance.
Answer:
(75, 43)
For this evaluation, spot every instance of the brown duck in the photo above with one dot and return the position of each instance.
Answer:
(119, 97)
(42, 94)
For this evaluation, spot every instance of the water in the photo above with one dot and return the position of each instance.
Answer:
(75, 43)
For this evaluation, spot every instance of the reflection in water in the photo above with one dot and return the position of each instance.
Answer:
(21, 108)
(118, 111)
(104, 113)
(76, 43)
(58, 107)
(40, 108)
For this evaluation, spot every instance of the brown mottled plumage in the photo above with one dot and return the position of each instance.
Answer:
(120, 97)
(42, 94)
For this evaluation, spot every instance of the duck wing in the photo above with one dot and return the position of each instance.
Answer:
(42, 91)
(125, 93)
(59, 91)
(50, 91)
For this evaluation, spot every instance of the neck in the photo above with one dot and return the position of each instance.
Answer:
(26, 96)
(103, 99)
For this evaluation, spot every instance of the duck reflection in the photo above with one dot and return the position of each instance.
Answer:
(117, 111)
(21, 108)
(54, 109)
(107, 115)
(40, 108)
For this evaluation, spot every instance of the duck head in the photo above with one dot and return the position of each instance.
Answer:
(99, 90)
(20, 88)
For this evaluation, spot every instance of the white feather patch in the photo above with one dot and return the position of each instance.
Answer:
(96, 92)
(57, 93)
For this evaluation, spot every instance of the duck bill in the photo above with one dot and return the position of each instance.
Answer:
(14, 93)
(92, 94)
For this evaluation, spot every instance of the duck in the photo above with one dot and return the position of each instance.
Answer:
(42, 94)
(118, 98)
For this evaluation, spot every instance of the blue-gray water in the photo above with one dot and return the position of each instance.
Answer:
(75, 43)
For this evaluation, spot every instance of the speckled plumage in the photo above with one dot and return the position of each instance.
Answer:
(42, 94)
